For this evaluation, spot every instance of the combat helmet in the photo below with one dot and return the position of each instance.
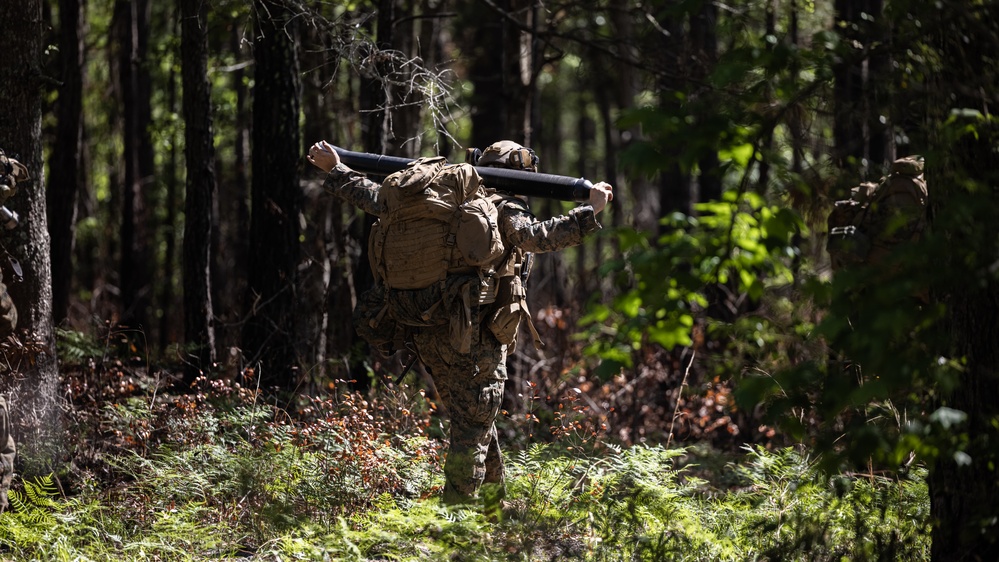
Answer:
(504, 154)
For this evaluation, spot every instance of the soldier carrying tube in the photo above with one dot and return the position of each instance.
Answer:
(456, 299)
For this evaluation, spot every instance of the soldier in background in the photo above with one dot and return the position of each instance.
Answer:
(11, 172)
(471, 383)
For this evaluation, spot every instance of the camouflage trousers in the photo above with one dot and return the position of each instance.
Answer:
(6, 454)
(471, 387)
(8, 321)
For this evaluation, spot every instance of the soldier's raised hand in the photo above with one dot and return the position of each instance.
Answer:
(323, 156)
(600, 194)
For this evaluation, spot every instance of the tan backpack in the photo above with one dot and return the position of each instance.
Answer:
(864, 229)
(438, 221)
(433, 255)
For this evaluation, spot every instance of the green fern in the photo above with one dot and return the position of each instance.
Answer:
(74, 347)
(37, 502)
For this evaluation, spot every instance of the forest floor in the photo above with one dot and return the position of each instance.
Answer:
(222, 471)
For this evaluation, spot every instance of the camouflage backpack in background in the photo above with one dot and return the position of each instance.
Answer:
(432, 253)
(864, 229)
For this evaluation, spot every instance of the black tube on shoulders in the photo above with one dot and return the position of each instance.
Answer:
(520, 182)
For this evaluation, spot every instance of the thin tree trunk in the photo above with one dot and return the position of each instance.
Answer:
(881, 146)
(66, 167)
(482, 38)
(622, 96)
(848, 129)
(199, 153)
(704, 38)
(270, 334)
(230, 238)
(135, 270)
(964, 194)
(674, 184)
(767, 142)
(170, 181)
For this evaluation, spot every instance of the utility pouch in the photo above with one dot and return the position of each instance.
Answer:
(504, 322)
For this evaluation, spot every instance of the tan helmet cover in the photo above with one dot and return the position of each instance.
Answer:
(508, 154)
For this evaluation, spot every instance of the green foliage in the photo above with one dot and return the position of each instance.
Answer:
(74, 347)
(740, 243)
(801, 513)
(900, 348)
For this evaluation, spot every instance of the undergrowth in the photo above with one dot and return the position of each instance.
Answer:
(219, 474)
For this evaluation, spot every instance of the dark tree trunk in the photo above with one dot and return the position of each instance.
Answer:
(881, 143)
(269, 336)
(964, 496)
(674, 184)
(233, 204)
(199, 154)
(704, 43)
(767, 141)
(625, 86)
(170, 179)
(374, 133)
(135, 267)
(322, 215)
(848, 89)
(500, 97)
(35, 405)
(404, 104)
(66, 167)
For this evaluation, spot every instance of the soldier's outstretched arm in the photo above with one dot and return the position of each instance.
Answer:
(347, 184)
(522, 229)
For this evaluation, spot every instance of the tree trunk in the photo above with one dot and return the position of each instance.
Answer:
(848, 91)
(498, 102)
(199, 154)
(135, 268)
(66, 168)
(230, 240)
(35, 405)
(964, 500)
(674, 184)
(964, 193)
(704, 44)
(625, 87)
(964, 497)
(881, 143)
(170, 180)
(318, 265)
(269, 336)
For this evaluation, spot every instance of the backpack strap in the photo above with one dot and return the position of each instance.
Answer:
(451, 240)
(519, 295)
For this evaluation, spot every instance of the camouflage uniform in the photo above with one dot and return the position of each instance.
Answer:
(7, 452)
(11, 171)
(471, 385)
